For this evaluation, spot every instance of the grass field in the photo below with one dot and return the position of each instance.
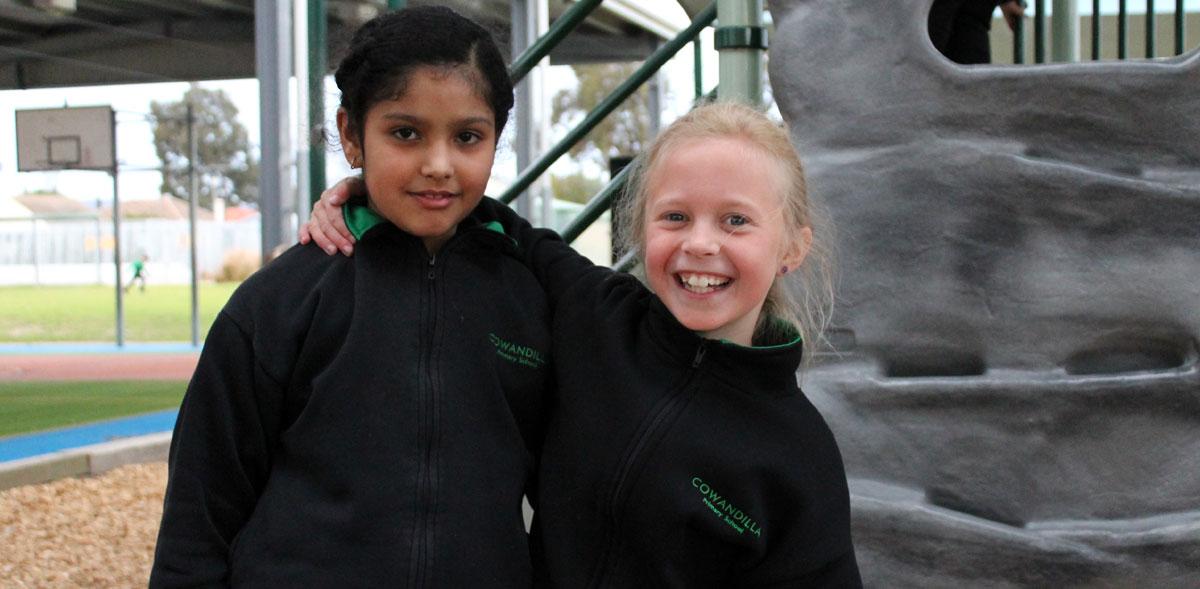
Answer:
(88, 313)
(37, 406)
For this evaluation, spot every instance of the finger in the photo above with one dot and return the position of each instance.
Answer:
(328, 221)
(304, 233)
(320, 238)
(340, 192)
(331, 233)
(338, 224)
(320, 228)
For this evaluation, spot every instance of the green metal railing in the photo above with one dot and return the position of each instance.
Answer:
(1039, 31)
(318, 63)
(603, 200)
(1122, 31)
(1019, 43)
(541, 48)
(610, 103)
(595, 207)
(1122, 24)
(1180, 28)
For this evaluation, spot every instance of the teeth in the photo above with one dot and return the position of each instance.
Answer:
(700, 283)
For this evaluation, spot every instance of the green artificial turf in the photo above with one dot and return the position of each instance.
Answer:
(88, 313)
(32, 406)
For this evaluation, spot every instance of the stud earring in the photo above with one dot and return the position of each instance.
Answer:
(354, 164)
(783, 270)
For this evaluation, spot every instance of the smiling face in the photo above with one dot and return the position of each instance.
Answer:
(715, 236)
(426, 154)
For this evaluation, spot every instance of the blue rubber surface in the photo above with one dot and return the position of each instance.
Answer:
(25, 446)
(97, 348)
(28, 445)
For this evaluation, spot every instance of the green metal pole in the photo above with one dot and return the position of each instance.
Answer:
(1096, 30)
(559, 30)
(1065, 34)
(698, 67)
(609, 104)
(1039, 31)
(741, 39)
(396, 4)
(1122, 30)
(1150, 33)
(318, 63)
(596, 207)
(1179, 27)
(1019, 42)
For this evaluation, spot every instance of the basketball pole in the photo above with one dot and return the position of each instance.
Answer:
(193, 202)
(117, 238)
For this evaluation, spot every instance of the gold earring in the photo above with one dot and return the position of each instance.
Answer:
(354, 163)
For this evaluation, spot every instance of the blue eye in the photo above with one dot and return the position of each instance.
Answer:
(738, 220)
(674, 217)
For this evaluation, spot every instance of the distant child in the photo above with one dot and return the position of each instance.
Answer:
(139, 273)
(365, 422)
(681, 452)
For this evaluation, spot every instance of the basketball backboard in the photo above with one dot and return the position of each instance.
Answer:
(75, 138)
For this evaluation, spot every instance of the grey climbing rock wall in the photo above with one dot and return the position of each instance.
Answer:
(1018, 392)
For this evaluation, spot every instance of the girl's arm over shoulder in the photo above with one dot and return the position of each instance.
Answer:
(556, 265)
(325, 225)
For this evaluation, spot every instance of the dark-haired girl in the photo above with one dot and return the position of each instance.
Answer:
(373, 421)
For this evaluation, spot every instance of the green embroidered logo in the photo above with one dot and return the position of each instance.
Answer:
(736, 518)
(517, 354)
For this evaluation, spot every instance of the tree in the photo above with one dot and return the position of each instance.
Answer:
(575, 187)
(623, 132)
(226, 168)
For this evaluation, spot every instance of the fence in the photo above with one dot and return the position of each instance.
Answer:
(79, 249)
(1171, 31)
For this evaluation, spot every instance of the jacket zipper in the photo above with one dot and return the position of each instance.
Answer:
(660, 418)
(425, 437)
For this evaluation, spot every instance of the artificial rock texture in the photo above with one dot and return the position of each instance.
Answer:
(1017, 393)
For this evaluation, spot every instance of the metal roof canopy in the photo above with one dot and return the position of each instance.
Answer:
(62, 43)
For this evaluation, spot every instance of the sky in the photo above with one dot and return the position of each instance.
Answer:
(135, 150)
(1133, 6)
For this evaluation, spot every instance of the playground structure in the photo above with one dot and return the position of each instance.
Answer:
(1016, 389)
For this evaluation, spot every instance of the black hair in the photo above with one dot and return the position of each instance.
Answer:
(386, 49)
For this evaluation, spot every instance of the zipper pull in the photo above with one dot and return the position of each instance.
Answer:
(431, 261)
(700, 354)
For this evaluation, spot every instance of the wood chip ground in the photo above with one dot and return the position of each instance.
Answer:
(82, 532)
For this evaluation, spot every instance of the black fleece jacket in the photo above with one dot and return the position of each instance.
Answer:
(676, 461)
(364, 422)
